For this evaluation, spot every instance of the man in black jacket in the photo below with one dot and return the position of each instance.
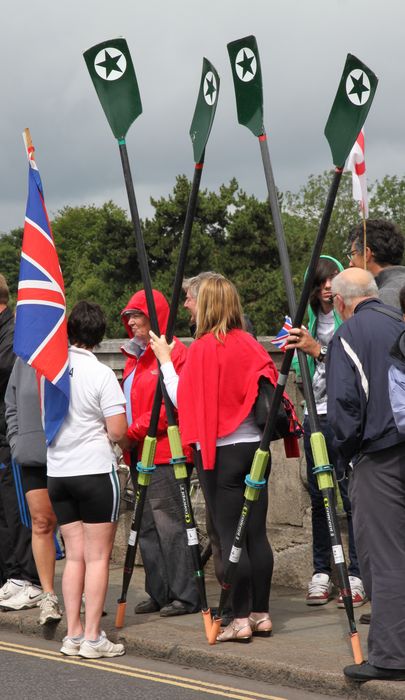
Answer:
(18, 572)
(359, 411)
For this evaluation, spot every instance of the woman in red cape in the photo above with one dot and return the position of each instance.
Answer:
(215, 395)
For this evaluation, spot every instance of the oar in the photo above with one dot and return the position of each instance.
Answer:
(111, 69)
(248, 88)
(199, 132)
(113, 75)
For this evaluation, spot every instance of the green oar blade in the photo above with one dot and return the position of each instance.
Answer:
(247, 79)
(349, 111)
(205, 109)
(113, 75)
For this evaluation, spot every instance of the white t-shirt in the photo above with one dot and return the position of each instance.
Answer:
(82, 445)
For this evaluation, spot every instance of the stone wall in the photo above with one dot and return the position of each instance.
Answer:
(289, 519)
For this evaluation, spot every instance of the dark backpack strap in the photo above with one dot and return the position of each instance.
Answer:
(396, 315)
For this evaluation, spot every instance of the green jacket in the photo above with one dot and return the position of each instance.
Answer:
(312, 321)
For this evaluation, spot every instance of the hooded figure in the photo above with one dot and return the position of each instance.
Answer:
(162, 538)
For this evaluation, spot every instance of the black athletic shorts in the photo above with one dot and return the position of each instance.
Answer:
(93, 498)
(34, 478)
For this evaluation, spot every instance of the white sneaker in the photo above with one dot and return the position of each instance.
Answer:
(103, 647)
(358, 593)
(71, 646)
(10, 588)
(319, 590)
(27, 597)
(50, 610)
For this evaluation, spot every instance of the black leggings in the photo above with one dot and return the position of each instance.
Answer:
(224, 488)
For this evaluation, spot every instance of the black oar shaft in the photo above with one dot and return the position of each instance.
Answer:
(286, 270)
(301, 308)
(146, 280)
(160, 388)
(185, 244)
(140, 244)
(327, 493)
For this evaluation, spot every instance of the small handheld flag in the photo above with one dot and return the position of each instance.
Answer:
(357, 164)
(40, 336)
(280, 339)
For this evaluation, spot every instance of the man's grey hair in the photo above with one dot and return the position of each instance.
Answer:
(192, 284)
(352, 290)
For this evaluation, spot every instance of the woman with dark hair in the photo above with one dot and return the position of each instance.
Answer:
(83, 484)
(215, 394)
(322, 324)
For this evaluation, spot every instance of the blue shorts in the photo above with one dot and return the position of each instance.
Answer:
(92, 498)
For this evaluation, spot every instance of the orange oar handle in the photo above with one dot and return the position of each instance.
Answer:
(215, 630)
(120, 615)
(356, 648)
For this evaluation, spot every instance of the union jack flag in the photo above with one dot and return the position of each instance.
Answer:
(40, 336)
(281, 338)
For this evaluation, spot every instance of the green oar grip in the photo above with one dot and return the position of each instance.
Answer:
(255, 480)
(146, 466)
(322, 468)
(178, 459)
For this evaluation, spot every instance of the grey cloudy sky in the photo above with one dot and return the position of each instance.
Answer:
(303, 46)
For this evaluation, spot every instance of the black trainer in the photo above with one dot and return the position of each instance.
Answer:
(367, 672)
(147, 606)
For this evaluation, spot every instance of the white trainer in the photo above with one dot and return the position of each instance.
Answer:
(27, 597)
(358, 593)
(10, 588)
(49, 609)
(319, 590)
(71, 646)
(103, 647)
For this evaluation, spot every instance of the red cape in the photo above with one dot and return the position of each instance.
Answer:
(218, 387)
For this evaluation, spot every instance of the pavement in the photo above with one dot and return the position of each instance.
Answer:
(308, 649)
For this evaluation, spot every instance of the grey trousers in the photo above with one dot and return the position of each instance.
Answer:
(377, 493)
(163, 543)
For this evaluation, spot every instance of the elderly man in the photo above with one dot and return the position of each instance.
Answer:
(360, 413)
(383, 256)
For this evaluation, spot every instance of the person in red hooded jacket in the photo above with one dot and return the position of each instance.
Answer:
(215, 394)
(162, 538)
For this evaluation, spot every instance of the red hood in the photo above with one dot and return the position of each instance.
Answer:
(138, 301)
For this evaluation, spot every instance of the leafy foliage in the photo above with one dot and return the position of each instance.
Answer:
(233, 233)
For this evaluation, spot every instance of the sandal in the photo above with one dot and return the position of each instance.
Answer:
(260, 624)
(235, 633)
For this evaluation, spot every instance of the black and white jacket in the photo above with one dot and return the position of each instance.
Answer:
(358, 361)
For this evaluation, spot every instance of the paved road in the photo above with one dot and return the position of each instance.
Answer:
(33, 669)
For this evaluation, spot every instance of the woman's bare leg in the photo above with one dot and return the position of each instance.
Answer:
(43, 528)
(98, 542)
(73, 575)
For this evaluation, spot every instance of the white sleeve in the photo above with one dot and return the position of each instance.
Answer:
(171, 380)
(112, 399)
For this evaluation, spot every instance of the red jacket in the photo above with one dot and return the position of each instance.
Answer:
(146, 377)
(218, 387)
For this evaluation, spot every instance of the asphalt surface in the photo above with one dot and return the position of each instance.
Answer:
(33, 669)
(308, 650)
